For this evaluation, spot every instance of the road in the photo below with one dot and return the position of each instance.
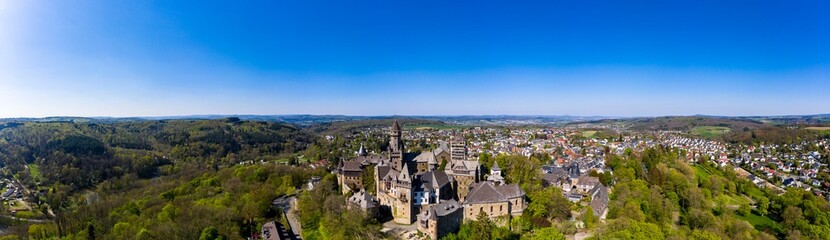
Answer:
(26, 219)
(292, 217)
(288, 204)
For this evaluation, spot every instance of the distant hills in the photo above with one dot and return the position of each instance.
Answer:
(665, 122)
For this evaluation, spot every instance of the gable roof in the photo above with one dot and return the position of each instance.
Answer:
(434, 180)
(351, 166)
(511, 191)
(484, 192)
(442, 147)
(444, 208)
(404, 175)
(425, 157)
(599, 199)
(363, 200)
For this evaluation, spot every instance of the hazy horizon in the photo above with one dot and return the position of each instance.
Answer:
(163, 58)
(406, 116)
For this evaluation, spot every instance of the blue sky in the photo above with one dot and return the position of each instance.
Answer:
(638, 58)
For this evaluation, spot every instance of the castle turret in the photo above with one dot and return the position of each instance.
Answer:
(396, 147)
(362, 152)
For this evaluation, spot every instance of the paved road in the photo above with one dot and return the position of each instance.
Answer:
(287, 204)
(292, 217)
(26, 219)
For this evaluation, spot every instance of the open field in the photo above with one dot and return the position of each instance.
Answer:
(709, 131)
(589, 134)
(818, 128)
(701, 172)
(761, 222)
(18, 205)
(34, 171)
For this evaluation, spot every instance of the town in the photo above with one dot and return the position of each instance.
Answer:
(441, 187)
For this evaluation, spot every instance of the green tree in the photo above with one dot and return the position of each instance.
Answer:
(210, 233)
(482, 227)
(791, 216)
(763, 205)
(704, 235)
(589, 218)
(549, 203)
(369, 180)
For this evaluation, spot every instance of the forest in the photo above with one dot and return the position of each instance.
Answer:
(75, 170)
(215, 179)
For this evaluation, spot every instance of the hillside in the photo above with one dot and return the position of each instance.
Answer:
(80, 155)
(729, 129)
(356, 125)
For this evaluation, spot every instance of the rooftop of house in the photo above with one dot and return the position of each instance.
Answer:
(487, 192)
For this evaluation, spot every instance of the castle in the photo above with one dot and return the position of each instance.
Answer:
(410, 185)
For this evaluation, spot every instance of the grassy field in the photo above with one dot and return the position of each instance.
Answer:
(34, 171)
(18, 205)
(735, 200)
(818, 128)
(761, 222)
(701, 173)
(589, 134)
(709, 131)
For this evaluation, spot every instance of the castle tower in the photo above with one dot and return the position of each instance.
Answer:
(404, 209)
(396, 147)
(362, 152)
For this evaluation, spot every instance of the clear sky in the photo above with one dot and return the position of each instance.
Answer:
(609, 58)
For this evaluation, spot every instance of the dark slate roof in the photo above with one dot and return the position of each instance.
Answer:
(352, 166)
(369, 159)
(486, 192)
(382, 171)
(511, 191)
(444, 208)
(405, 175)
(396, 126)
(362, 151)
(495, 166)
(555, 175)
(573, 170)
(364, 200)
(599, 199)
(587, 180)
(433, 180)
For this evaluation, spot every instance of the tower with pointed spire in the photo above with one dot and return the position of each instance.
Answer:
(362, 152)
(396, 148)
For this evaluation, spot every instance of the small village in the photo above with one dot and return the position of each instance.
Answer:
(437, 202)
